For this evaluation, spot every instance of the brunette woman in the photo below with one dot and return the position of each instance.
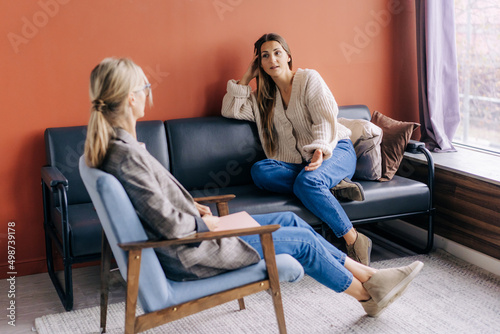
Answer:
(308, 151)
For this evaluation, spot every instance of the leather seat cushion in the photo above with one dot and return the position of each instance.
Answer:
(84, 230)
(212, 152)
(398, 196)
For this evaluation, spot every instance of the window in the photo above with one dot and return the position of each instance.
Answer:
(478, 51)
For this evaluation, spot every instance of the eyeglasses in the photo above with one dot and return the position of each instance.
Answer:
(146, 86)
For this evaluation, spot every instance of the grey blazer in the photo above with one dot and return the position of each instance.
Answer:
(168, 211)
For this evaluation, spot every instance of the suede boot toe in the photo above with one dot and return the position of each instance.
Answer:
(386, 285)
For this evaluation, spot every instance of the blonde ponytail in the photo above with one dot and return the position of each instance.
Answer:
(110, 83)
(99, 133)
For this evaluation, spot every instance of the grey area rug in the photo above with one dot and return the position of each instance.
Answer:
(449, 296)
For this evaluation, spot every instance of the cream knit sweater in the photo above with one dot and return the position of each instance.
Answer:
(309, 122)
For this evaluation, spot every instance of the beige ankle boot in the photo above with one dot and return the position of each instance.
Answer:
(387, 285)
(348, 190)
(361, 249)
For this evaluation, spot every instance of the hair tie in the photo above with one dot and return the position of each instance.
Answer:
(99, 105)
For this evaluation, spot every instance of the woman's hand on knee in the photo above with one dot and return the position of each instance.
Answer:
(316, 161)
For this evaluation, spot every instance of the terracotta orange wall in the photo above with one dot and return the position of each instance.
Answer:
(365, 51)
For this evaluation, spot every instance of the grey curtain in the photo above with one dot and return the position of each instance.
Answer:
(437, 73)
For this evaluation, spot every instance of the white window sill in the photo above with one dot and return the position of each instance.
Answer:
(466, 161)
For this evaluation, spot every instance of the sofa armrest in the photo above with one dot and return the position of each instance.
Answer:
(53, 177)
(54, 183)
(198, 237)
(54, 190)
(417, 147)
(414, 146)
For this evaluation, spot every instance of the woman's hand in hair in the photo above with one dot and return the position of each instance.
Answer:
(316, 161)
(252, 71)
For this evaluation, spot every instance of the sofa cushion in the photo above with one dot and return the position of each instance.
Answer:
(63, 148)
(65, 145)
(152, 134)
(84, 229)
(356, 111)
(399, 196)
(212, 152)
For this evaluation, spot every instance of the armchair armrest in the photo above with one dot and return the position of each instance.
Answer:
(215, 199)
(198, 237)
(53, 177)
(220, 201)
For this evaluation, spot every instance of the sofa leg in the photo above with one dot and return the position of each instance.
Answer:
(65, 294)
(383, 234)
(430, 233)
(68, 279)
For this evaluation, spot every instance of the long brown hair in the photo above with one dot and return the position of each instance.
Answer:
(110, 83)
(266, 92)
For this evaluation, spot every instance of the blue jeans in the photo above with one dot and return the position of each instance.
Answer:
(320, 259)
(313, 187)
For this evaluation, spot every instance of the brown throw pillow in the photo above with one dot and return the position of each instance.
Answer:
(395, 137)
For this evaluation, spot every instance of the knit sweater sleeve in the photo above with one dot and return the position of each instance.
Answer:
(239, 102)
(323, 110)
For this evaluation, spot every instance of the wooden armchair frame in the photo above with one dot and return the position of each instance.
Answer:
(143, 322)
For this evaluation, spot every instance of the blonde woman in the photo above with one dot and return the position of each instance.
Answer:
(119, 91)
(308, 152)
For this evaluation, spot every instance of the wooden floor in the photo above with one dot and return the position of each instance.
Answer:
(35, 295)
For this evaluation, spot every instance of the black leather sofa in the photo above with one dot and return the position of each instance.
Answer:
(209, 156)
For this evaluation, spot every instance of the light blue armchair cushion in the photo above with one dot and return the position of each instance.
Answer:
(121, 225)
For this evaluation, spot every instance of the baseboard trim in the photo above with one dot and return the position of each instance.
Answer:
(470, 255)
(39, 266)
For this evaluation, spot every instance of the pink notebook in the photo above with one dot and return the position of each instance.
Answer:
(235, 221)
